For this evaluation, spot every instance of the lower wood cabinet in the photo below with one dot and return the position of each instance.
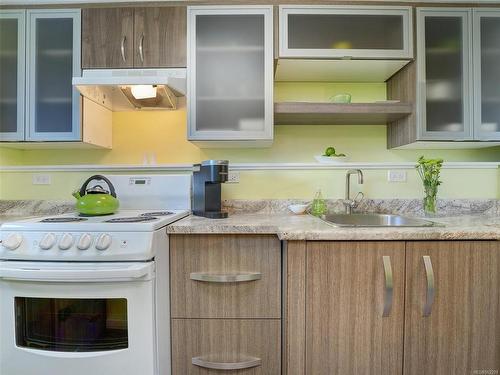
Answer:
(225, 276)
(456, 330)
(354, 307)
(225, 304)
(349, 307)
(444, 317)
(226, 346)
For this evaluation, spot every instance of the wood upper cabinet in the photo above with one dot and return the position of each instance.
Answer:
(230, 75)
(454, 81)
(486, 54)
(444, 74)
(329, 31)
(12, 74)
(107, 38)
(354, 305)
(134, 37)
(459, 333)
(160, 37)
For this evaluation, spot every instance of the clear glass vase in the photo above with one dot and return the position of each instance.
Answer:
(430, 201)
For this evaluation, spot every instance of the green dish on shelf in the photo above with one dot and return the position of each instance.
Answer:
(341, 98)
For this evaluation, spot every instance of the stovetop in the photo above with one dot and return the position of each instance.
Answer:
(125, 220)
(129, 235)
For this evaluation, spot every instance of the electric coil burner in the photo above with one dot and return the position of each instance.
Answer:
(136, 219)
(62, 219)
(157, 213)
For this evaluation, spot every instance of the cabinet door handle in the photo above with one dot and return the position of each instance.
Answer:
(225, 277)
(431, 287)
(141, 52)
(389, 285)
(122, 48)
(248, 363)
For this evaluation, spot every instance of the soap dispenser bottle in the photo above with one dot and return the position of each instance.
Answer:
(318, 207)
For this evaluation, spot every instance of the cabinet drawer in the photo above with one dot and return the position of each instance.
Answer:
(235, 346)
(225, 276)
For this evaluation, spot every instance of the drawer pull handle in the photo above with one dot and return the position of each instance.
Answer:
(141, 51)
(431, 287)
(248, 363)
(122, 48)
(225, 277)
(389, 286)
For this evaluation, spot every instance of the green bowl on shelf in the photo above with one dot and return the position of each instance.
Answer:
(341, 98)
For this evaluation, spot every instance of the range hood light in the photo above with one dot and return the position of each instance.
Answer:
(143, 91)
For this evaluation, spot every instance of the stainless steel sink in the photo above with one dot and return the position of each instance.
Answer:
(375, 220)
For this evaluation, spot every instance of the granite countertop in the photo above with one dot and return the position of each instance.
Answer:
(307, 227)
(460, 219)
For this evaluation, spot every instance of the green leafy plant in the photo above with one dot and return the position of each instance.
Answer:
(429, 171)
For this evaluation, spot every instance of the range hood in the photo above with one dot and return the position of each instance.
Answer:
(133, 89)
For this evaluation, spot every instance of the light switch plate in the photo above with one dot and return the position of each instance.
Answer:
(233, 177)
(396, 176)
(41, 179)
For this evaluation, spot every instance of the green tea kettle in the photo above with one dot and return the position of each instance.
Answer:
(96, 201)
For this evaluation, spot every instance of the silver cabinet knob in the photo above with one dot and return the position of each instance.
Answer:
(47, 241)
(103, 242)
(13, 241)
(66, 241)
(84, 242)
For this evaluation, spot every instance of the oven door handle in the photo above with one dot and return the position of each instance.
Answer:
(73, 272)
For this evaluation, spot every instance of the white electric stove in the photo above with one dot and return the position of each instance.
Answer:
(129, 235)
(91, 294)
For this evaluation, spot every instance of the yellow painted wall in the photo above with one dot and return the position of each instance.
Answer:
(164, 135)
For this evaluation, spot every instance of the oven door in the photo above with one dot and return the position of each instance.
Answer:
(77, 318)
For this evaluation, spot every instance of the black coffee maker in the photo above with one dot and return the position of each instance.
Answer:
(207, 178)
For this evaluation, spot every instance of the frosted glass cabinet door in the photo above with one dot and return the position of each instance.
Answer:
(53, 59)
(230, 73)
(445, 111)
(12, 63)
(345, 31)
(487, 74)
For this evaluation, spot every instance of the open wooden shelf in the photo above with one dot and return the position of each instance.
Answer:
(302, 113)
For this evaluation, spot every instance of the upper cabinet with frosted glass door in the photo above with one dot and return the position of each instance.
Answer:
(487, 74)
(367, 32)
(444, 74)
(53, 58)
(230, 75)
(12, 70)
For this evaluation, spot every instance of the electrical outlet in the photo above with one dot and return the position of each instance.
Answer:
(41, 179)
(396, 176)
(233, 177)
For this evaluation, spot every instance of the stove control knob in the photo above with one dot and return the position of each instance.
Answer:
(13, 241)
(47, 241)
(84, 242)
(103, 242)
(66, 241)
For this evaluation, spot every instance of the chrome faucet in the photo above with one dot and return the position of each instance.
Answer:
(349, 203)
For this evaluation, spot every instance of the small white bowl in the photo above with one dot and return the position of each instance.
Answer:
(331, 159)
(298, 209)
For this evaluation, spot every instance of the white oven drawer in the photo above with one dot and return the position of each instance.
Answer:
(76, 272)
(78, 318)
